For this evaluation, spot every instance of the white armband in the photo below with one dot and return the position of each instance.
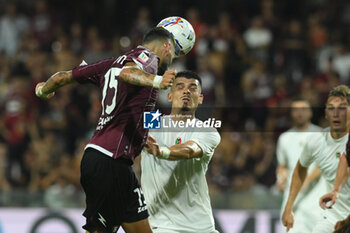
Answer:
(40, 93)
(165, 152)
(157, 80)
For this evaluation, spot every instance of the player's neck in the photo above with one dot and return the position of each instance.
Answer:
(181, 116)
(154, 48)
(302, 127)
(336, 135)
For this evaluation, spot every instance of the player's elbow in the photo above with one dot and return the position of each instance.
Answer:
(193, 153)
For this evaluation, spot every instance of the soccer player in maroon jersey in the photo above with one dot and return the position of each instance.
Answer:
(129, 86)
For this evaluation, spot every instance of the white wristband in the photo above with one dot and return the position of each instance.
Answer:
(157, 80)
(40, 93)
(165, 152)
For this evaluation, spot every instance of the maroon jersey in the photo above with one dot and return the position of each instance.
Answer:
(120, 131)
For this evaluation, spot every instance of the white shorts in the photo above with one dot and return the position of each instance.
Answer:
(162, 230)
(323, 226)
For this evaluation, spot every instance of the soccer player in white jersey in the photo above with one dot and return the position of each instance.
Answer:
(289, 148)
(174, 162)
(325, 149)
(342, 177)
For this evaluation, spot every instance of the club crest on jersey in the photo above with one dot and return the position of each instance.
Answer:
(178, 140)
(143, 57)
(337, 155)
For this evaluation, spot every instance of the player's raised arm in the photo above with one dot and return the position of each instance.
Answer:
(186, 150)
(298, 179)
(340, 180)
(134, 75)
(46, 90)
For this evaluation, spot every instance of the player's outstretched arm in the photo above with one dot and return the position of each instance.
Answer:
(340, 180)
(132, 74)
(46, 90)
(186, 150)
(298, 178)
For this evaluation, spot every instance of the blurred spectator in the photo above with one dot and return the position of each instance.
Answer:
(12, 27)
(294, 51)
(258, 39)
(42, 25)
(96, 48)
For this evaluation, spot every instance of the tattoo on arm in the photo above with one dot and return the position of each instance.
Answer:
(137, 77)
(58, 80)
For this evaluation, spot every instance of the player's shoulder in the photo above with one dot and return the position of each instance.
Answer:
(318, 136)
(286, 135)
(139, 50)
(315, 128)
(206, 128)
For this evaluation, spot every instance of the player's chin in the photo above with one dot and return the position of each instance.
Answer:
(186, 108)
(339, 128)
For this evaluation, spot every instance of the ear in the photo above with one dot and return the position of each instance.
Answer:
(201, 97)
(325, 113)
(167, 47)
(170, 97)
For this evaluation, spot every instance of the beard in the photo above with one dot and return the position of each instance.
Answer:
(162, 68)
(185, 109)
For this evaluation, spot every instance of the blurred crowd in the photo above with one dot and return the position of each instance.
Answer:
(253, 56)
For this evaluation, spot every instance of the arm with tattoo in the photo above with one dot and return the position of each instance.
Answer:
(46, 90)
(134, 75)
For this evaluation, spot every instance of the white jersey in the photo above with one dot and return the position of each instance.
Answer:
(324, 150)
(306, 208)
(176, 192)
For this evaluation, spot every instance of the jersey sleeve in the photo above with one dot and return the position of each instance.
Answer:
(282, 158)
(143, 58)
(207, 141)
(92, 73)
(309, 151)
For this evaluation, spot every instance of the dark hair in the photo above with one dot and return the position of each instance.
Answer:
(340, 91)
(157, 33)
(189, 74)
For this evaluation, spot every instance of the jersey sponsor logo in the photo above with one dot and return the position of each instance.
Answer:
(178, 140)
(103, 121)
(151, 120)
(143, 57)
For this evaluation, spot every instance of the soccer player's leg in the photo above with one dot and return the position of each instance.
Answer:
(135, 219)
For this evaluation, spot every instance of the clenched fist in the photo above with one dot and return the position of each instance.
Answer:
(168, 79)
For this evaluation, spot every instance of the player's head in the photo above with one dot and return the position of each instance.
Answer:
(338, 108)
(301, 112)
(161, 42)
(186, 92)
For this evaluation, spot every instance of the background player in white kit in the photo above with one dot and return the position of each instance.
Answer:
(289, 148)
(173, 178)
(325, 149)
